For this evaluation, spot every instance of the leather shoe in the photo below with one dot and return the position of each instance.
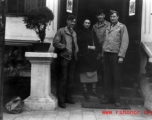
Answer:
(62, 105)
(104, 99)
(70, 101)
(85, 94)
(117, 104)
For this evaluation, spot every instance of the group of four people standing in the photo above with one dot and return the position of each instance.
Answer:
(106, 42)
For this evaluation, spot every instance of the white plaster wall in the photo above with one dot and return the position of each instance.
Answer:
(16, 30)
(52, 29)
(146, 30)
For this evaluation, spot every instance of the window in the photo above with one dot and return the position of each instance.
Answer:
(21, 6)
(15, 6)
(34, 4)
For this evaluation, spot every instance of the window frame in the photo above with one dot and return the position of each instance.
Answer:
(22, 14)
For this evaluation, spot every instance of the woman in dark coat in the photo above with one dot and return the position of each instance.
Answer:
(87, 58)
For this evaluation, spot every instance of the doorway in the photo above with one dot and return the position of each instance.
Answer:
(87, 8)
(133, 23)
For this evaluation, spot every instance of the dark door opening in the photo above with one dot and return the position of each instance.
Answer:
(87, 8)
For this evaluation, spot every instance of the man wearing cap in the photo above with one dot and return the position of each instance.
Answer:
(114, 51)
(99, 29)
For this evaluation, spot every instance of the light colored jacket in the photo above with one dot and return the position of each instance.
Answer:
(100, 31)
(116, 40)
(63, 43)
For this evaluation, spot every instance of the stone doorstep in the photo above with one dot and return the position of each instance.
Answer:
(130, 96)
(124, 100)
(127, 92)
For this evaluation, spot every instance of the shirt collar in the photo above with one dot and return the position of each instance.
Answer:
(100, 25)
(114, 24)
(114, 27)
(68, 32)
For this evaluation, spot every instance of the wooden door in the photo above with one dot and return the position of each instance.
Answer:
(131, 66)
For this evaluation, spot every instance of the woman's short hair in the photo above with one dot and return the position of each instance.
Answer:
(86, 18)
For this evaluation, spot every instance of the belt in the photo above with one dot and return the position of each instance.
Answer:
(108, 51)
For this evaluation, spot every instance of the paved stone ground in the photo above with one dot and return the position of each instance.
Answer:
(76, 112)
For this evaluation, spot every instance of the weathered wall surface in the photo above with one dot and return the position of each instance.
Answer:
(17, 32)
(146, 32)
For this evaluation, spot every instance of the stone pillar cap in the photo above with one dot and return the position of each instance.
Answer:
(40, 55)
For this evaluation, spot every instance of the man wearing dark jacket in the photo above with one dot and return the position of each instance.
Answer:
(65, 43)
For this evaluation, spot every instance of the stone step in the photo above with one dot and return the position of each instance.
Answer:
(125, 91)
(124, 100)
(130, 96)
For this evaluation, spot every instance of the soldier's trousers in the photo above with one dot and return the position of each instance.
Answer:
(66, 78)
(112, 75)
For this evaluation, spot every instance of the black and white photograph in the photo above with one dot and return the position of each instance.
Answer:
(75, 60)
(132, 7)
(69, 6)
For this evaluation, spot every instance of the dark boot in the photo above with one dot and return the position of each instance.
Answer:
(94, 93)
(107, 100)
(85, 94)
(62, 105)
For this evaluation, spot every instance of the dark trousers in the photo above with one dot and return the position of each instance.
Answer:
(66, 78)
(112, 75)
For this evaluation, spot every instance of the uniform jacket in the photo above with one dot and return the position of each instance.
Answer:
(99, 33)
(117, 39)
(63, 43)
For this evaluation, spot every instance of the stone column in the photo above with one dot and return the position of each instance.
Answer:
(40, 96)
(146, 86)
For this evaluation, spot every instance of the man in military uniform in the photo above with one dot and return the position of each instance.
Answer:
(99, 29)
(65, 43)
(114, 51)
